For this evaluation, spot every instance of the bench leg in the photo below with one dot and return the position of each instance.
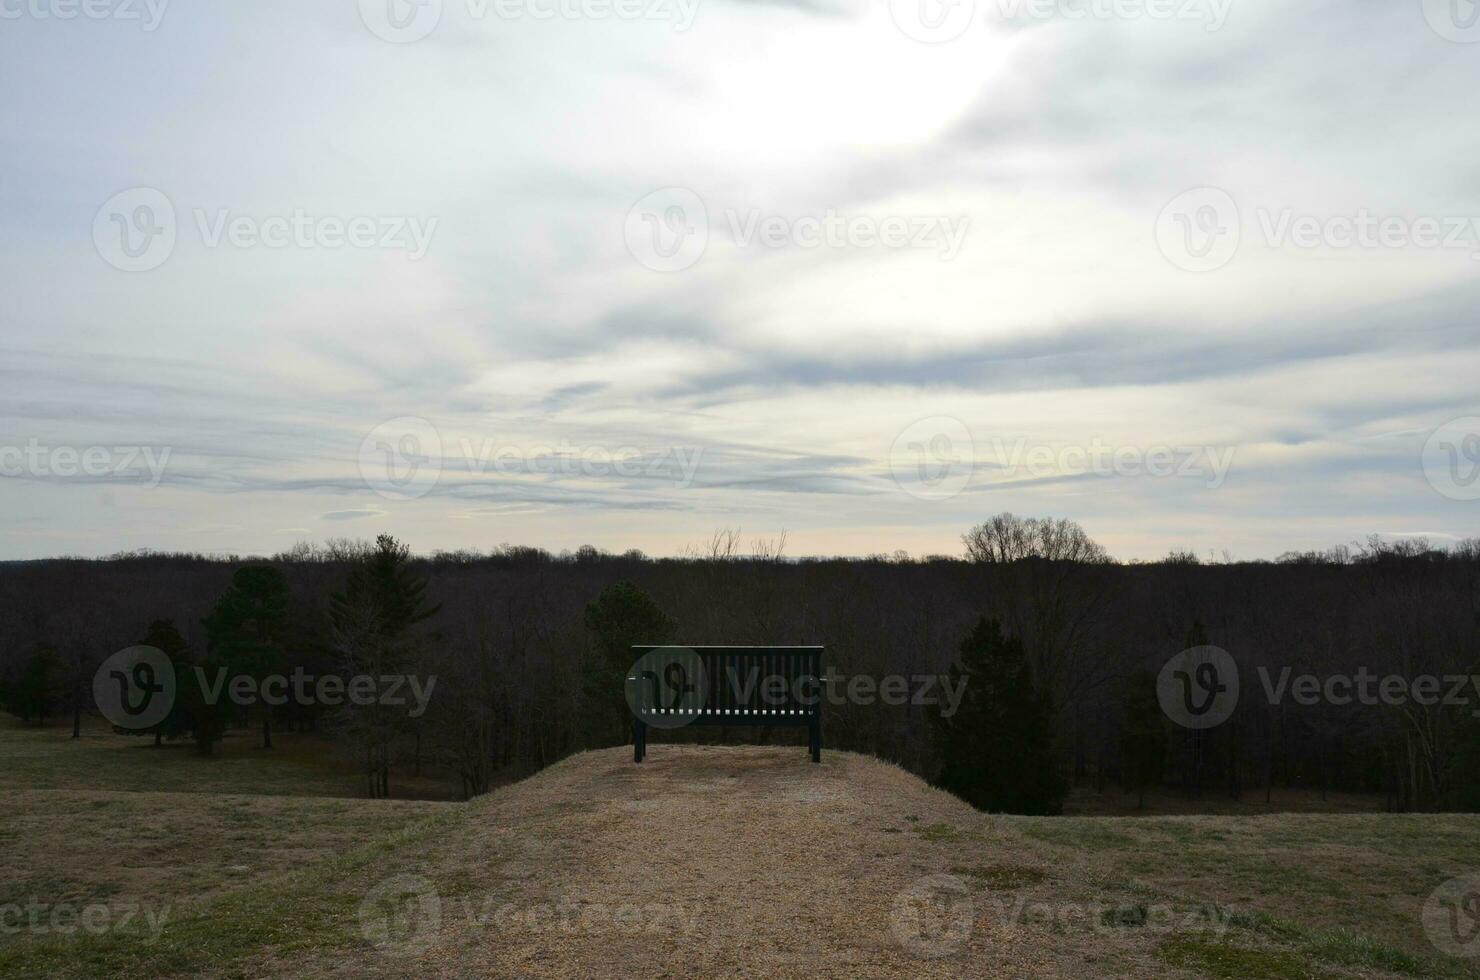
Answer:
(639, 741)
(816, 739)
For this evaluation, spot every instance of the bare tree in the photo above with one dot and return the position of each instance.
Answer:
(723, 545)
(770, 549)
(1008, 538)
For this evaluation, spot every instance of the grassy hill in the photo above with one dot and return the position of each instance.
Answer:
(711, 861)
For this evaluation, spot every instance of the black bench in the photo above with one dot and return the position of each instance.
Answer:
(762, 687)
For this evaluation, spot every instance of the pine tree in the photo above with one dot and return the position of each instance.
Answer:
(385, 585)
(621, 617)
(372, 621)
(1143, 736)
(246, 629)
(37, 691)
(204, 718)
(1197, 636)
(997, 748)
(164, 637)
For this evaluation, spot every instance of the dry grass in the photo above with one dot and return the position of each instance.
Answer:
(110, 820)
(713, 861)
(726, 861)
(299, 764)
(172, 849)
(751, 862)
(1369, 872)
(1114, 802)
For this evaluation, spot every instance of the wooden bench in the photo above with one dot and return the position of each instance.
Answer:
(759, 687)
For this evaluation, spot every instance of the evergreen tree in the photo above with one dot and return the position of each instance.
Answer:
(203, 717)
(1464, 783)
(246, 629)
(384, 585)
(372, 622)
(997, 749)
(163, 636)
(621, 617)
(39, 688)
(1143, 736)
(1196, 738)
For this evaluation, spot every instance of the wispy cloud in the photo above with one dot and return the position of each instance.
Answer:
(765, 385)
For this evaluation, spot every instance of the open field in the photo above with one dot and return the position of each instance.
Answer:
(707, 860)
(80, 847)
(1084, 801)
(112, 821)
(1317, 872)
(297, 764)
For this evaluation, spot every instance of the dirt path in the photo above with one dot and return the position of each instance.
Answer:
(711, 861)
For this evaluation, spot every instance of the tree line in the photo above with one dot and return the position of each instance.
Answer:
(1059, 645)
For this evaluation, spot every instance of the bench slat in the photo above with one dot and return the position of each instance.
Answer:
(724, 686)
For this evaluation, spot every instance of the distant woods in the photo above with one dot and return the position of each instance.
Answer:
(1060, 647)
(997, 749)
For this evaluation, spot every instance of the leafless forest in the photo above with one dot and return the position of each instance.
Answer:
(510, 646)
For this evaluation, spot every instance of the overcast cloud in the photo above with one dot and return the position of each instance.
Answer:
(626, 279)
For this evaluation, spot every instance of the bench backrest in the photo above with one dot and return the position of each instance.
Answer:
(709, 683)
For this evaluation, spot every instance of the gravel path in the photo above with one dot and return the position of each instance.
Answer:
(720, 861)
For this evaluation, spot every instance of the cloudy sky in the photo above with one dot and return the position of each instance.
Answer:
(1198, 274)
